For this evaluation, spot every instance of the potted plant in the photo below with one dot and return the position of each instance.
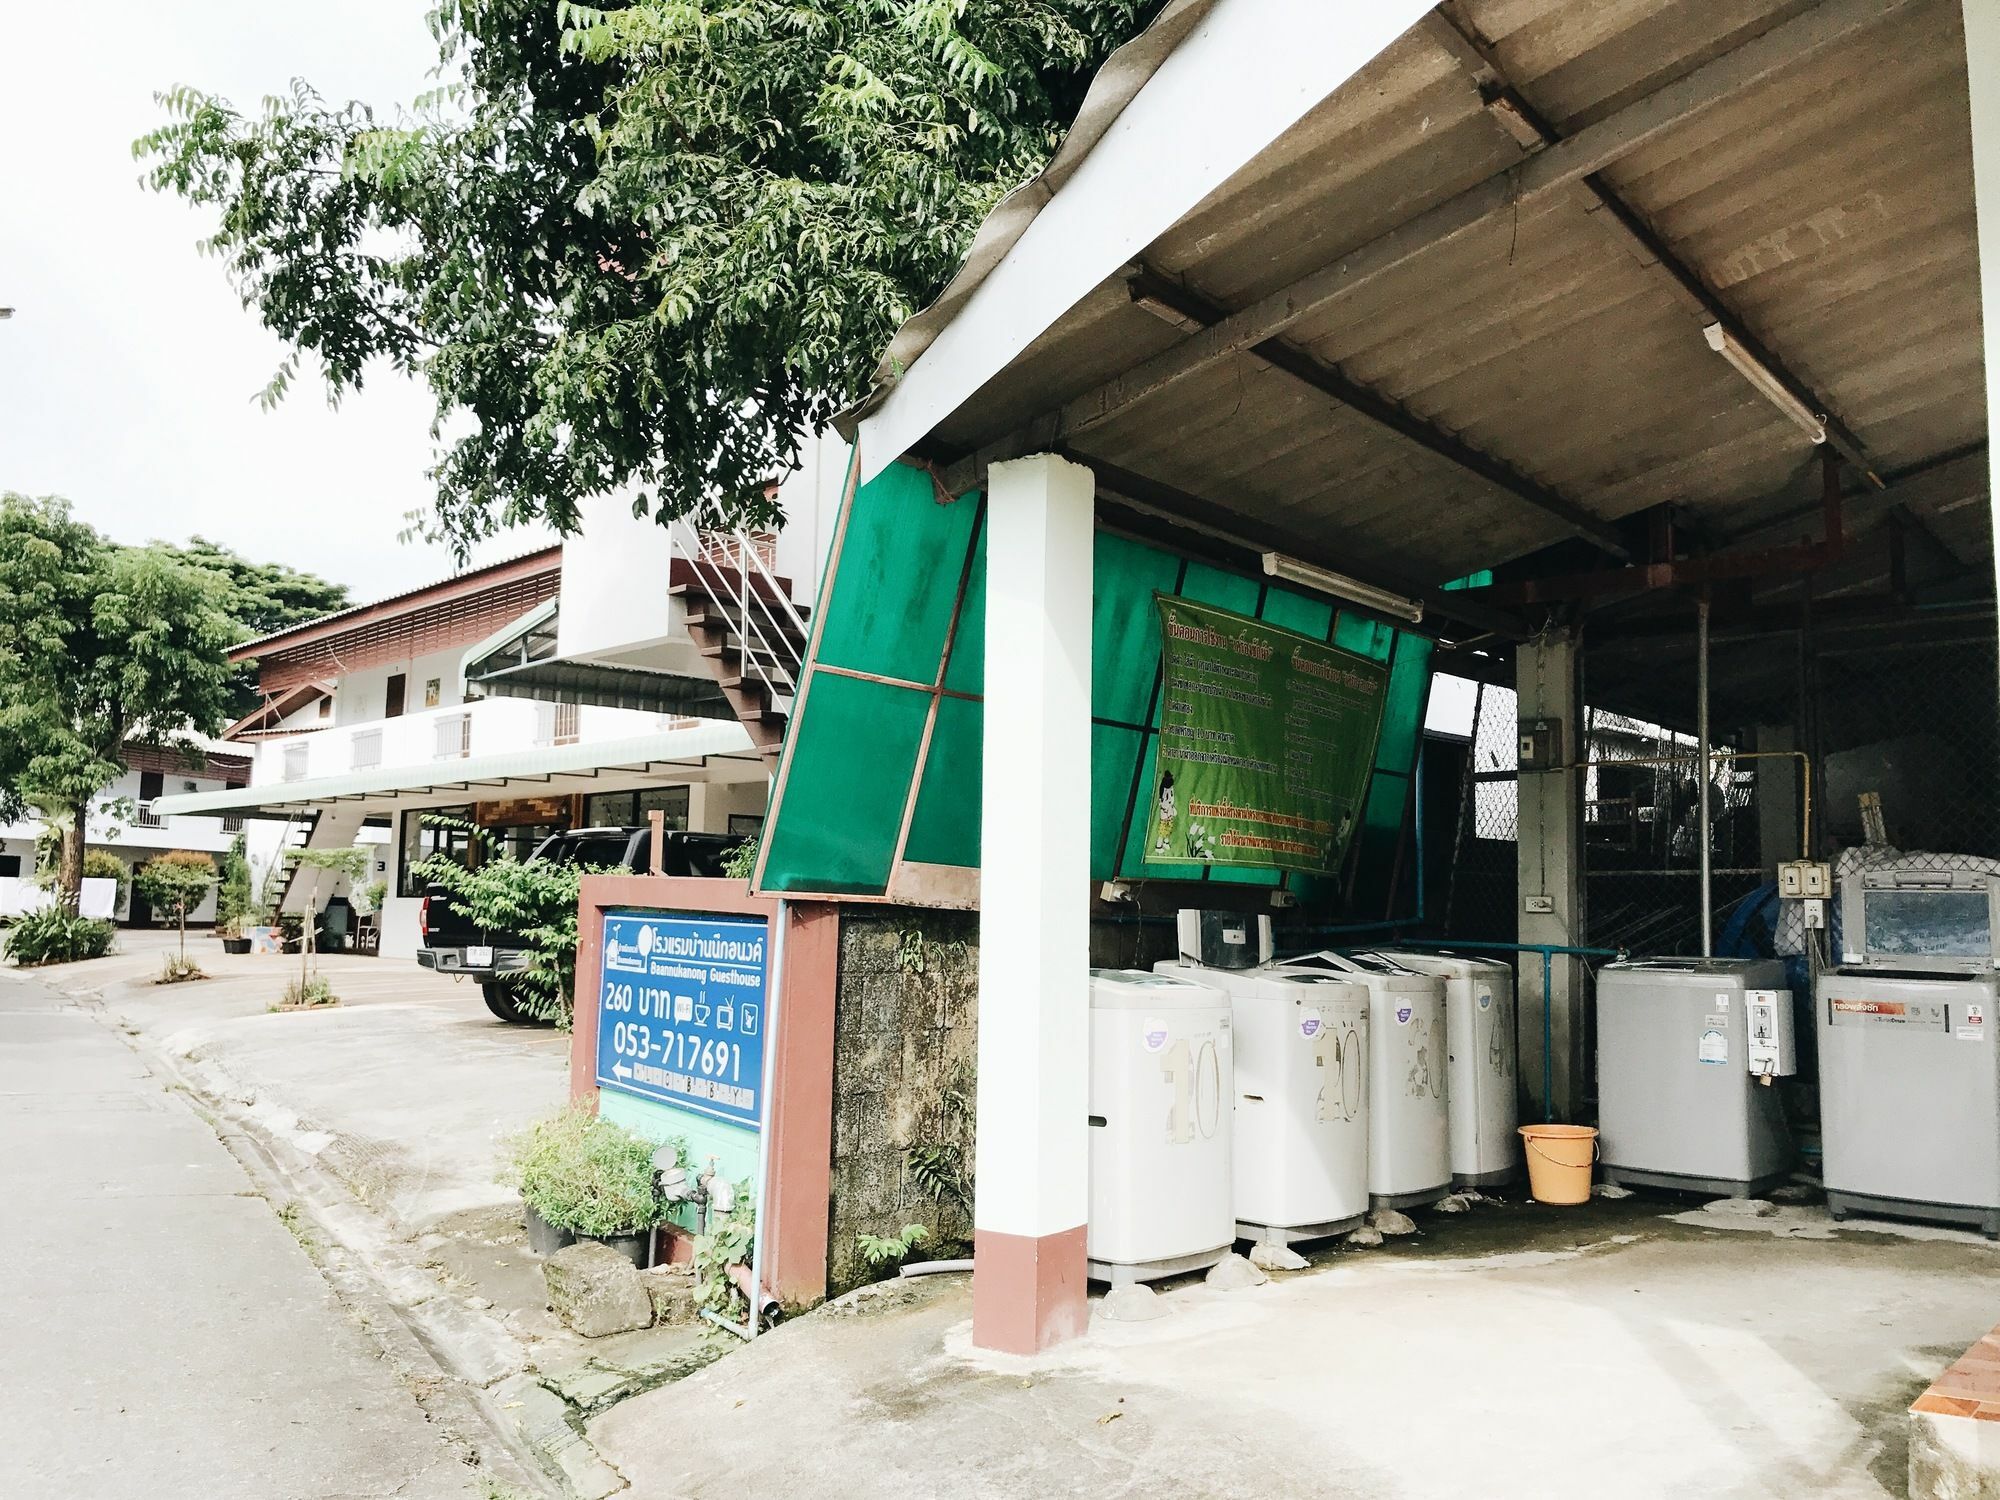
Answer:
(232, 899)
(583, 1177)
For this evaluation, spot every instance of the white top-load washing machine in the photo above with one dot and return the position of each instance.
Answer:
(1909, 1084)
(1481, 1094)
(1409, 1135)
(1301, 1127)
(1161, 1080)
(1683, 1095)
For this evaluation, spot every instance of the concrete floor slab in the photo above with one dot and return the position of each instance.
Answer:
(1515, 1351)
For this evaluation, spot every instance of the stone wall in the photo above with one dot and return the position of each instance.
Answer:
(905, 1070)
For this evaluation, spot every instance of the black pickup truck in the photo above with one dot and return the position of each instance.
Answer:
(454, 945)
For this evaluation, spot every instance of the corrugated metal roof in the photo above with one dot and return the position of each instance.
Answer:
(1827, 204)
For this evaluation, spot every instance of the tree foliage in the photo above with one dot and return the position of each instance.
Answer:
(653, 246)
(102, 648)
(262, 597)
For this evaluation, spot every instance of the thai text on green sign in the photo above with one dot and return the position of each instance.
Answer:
(1266, 739)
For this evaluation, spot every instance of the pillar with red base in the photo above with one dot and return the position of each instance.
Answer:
(1034, 925)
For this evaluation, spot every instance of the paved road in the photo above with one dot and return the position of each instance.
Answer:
(161, 1332)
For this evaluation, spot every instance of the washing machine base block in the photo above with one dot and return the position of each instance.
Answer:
(1497, 1178)
(1295, 1234)
(1418, 1199)
(1154, 1270)
(1712, 1187)
(1983, 1217)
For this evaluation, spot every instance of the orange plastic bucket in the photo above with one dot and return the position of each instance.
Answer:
(1559, 1161)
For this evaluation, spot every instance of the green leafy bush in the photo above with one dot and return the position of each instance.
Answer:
(232, 897)
(101, 864)
(730, 1240)
(532, 902)
(740, 863)
(55, 936)
(308, 992)
(586, 1174)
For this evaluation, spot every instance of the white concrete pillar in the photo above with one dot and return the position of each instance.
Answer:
(1982, 62)
(1034, 922)
(1549, 852)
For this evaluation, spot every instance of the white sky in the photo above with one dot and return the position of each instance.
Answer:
(128, 372)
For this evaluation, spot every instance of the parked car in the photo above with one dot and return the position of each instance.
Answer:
(454, 944)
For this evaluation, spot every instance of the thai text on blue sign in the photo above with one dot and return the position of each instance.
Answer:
(682, 1011)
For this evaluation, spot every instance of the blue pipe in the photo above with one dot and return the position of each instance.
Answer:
(1548, 952)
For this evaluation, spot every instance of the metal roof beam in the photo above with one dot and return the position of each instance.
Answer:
(1590, 150)
(1531, 129)
(1183, 307)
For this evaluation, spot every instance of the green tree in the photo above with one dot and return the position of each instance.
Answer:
(261, 598)
(653, 246)
(101, 648)
(174, 885)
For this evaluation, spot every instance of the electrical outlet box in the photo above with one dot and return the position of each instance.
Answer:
(1773, 1050)
(1541, 744)
(1805, 880)
(1539, 906)
(1815, 911)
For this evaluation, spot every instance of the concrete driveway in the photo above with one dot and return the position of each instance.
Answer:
(1631, 1349)
(406, 1089)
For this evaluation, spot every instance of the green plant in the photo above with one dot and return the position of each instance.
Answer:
(740, 863)
(369, 898)
(101, 864)
(881, 1253)
(178, 967)
(729, 1240)
(232, 896)
(308, 992)
(339, 864)
(586, 1174)
(534, 903)
(54, 935)
(641, 249)
(174, 884)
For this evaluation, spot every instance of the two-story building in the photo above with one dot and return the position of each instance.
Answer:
(632, 669)
(122, 825)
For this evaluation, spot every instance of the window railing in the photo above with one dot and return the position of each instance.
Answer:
(295, 762)
(144, 819)
(232, 822)
(454, 736)
(367, 747)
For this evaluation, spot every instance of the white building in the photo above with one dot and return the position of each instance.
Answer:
(121, 826)
(635, 668)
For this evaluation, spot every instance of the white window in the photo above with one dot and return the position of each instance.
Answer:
(295, 760)
(454, 736)
(367, 750)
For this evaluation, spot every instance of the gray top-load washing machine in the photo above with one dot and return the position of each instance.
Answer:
(1909, 1070)
(1681, 1103)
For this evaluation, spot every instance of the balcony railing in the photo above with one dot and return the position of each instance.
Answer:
(367, 750)
(454, 736)
(145, 819)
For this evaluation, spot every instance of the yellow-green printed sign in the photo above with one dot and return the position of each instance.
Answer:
(1266, 740)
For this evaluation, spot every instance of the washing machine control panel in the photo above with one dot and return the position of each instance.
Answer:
(1921, 1015)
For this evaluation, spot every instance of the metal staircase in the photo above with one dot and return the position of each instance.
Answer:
(742, 620)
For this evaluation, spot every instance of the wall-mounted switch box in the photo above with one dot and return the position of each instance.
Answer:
(1539, 906)
(1805, 880)
(1541, 744)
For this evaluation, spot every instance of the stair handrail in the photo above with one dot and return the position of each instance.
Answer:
(771, 646)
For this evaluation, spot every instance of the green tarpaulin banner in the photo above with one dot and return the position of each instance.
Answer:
(1266, 741)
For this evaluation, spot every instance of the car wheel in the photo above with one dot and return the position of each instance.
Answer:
(500, 1000)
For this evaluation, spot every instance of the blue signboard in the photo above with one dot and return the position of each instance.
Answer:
(682, 1011)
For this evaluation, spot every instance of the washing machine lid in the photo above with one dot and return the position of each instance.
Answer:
(1135, 989)
(1450, 965)
(1271, 983)
(1671, 964)
(1361, 962)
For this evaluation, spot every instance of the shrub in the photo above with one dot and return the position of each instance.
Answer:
(232, 896)
(101, 864)
(308, 992)
(740, 863)
(174, 884)
(55, 936)
(534, 903)
(178, 967)
(586, 1174)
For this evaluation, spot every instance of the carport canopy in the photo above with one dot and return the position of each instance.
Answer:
(1536, 290)
(720, 752)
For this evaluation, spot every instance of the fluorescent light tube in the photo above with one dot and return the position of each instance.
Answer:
(1767, 385)
(1340, 586)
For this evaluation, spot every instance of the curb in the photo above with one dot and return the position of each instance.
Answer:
(475, 1373)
